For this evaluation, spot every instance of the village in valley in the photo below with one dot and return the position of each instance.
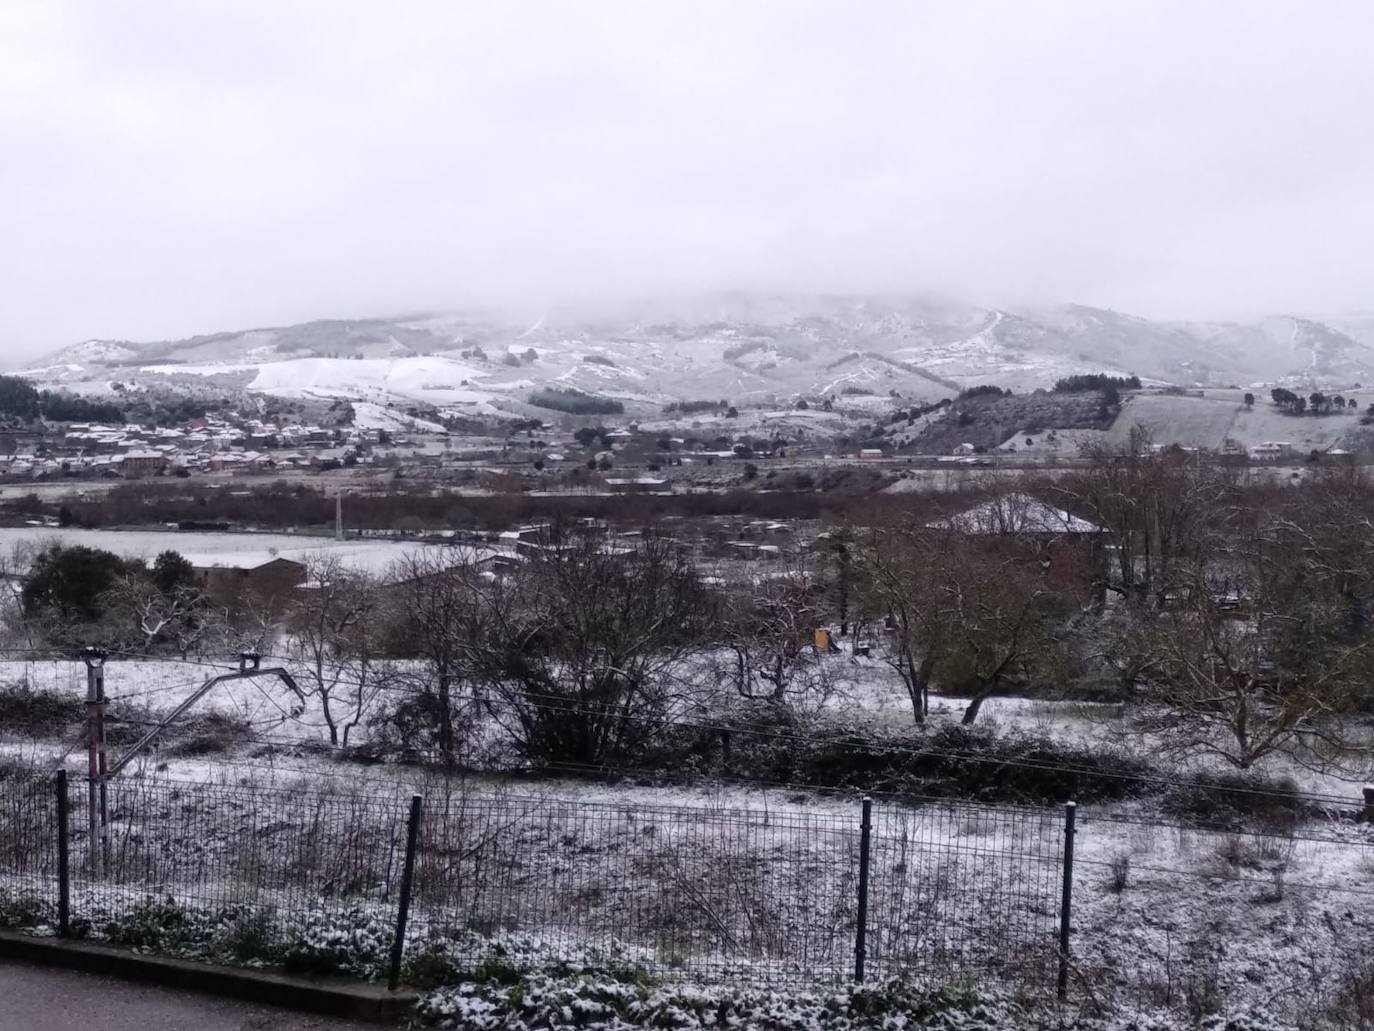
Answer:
(887, 633)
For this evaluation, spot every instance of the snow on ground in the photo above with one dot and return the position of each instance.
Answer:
(370, 416)
(370, 556)
(749, 883)
(208, 369)
(1052, 443)
(695, 873)
(1208, 420)
(432, 379)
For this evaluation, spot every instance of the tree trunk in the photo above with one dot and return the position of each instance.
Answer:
(445, 719)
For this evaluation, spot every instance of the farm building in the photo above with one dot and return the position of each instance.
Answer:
(1019, 514)
(1067, 548)
(137, 464)
(229, 577)
(1271, 449)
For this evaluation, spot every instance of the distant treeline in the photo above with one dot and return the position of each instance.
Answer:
(1086, 382)
(983, 390)
(846, 495)
(575, 402)
(693, 407)
(1315, 403)
(19, 399)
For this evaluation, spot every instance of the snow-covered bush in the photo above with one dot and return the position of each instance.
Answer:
(350, 941)
(449, 956)
(551, 1004)
(564, 1004)
(23, 910)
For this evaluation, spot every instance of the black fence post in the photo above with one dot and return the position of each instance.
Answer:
(398, 945)
(64, 872)
(861, 928)
(1066, 898)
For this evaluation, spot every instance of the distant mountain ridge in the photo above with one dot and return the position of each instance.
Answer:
(743, 347)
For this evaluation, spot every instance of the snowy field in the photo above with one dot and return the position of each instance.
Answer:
(1208, 421)
(369, 556)
(751, 882)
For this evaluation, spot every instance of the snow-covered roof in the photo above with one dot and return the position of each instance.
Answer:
(1016, 513)
(237, 560)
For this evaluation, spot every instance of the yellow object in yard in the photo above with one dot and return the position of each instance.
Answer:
(822, 639)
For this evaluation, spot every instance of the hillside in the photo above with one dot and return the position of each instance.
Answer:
(754, 350)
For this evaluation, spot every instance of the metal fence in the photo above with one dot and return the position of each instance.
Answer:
(757, 895)
(833, 891)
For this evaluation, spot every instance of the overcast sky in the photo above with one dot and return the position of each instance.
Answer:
(183, 166)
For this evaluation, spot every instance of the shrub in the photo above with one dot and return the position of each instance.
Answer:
(447, 956)
(1234, 800)
(1120, 878)
(210, 733)
(250, 937)
(34, 712)
(154, 925)
(351, 941)
(951, 761)
(555, 1004)
(564, 1004)
(18, 910)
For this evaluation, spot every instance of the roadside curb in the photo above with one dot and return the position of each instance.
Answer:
(364, 1002)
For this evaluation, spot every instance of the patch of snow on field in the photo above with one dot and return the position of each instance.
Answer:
(433, 379)
(370, 556)
(368, 415)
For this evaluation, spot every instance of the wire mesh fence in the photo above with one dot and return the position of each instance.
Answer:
(962, 889)
(752, 894)
(816, 893)
(213, 847)
(29, 887)
(747, 892)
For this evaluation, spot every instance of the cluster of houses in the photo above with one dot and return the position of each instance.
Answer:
(210, 444)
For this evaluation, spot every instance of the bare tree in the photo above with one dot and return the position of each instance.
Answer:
(438, 607)
(998, 612)
(147, 616)
(332, 625)
(586, 645)
(14, 564)
(767, 621)
(1261, 649)
(898, 575)
(1151, 505)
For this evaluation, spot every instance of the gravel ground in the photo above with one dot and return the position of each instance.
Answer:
(43, 999)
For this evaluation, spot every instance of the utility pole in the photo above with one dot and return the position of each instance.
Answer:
(338, 516)
(97, 804)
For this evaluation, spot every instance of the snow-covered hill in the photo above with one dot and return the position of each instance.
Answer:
(743, 348)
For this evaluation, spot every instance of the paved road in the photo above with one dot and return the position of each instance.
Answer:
(43, 999)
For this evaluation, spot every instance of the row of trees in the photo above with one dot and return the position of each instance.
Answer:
(1087, 382)
(1316, 403)
(20, 400)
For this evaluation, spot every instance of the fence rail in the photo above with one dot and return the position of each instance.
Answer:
(939, 888)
